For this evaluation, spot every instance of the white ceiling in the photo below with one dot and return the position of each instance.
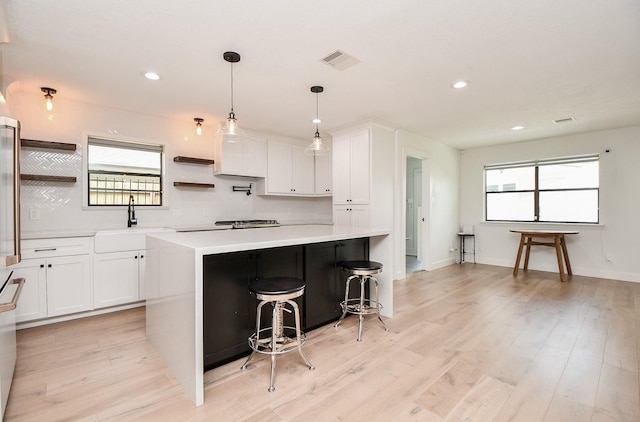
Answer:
(528, 62)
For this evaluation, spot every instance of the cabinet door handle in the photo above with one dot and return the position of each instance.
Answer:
(44, 250)
(49, 266)
(141, 256)
(41, 265)
(135, 257)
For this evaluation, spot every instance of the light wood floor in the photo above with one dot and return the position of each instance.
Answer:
(467, 343)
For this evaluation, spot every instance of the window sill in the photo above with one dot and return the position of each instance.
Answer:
(554, 226)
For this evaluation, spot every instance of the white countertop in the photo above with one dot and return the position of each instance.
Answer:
(51, 234)
(222, 241)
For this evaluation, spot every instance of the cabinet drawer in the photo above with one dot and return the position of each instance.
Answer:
(44, 248)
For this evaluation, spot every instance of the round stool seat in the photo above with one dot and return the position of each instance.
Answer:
(277, 286)
(362, 267)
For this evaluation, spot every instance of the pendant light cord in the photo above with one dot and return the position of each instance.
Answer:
(231, 87)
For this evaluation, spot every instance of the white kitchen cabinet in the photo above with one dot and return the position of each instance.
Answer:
(116, 278)
(54, 286)
(246, 157)
(58, 278)
(68, 285)
(289, 170)
(351, 215)
(33, 299)
(323, 179)
(351, 168)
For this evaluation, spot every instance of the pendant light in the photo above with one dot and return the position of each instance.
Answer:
(231, 127)
(316, 147)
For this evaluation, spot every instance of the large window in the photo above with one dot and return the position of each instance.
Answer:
(119, 169)
(563, 190)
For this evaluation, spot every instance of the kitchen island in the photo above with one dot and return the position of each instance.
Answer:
(175, 284)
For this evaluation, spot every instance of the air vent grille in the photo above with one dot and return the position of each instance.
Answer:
(339, 60)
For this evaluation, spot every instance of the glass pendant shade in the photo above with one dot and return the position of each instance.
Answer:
(231, 128)
(317, 147)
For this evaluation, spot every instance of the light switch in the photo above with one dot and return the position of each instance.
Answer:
(34, 213)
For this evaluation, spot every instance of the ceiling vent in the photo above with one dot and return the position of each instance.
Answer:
(340, 60)
(563, 120)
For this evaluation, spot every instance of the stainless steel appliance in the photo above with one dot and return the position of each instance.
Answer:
(10, 288)
(248, 224)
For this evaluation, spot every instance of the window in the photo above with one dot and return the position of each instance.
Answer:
(120, 169)
(563, 190)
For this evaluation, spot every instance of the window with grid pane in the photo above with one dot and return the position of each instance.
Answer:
(120, 169)
(562, 190)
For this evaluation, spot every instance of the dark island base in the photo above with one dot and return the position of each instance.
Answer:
(230, 310)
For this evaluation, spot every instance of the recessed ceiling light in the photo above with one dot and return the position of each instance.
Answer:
(517, 128)
(460, 84)
(152, 76)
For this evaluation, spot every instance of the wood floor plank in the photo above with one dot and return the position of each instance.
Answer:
(467, 342)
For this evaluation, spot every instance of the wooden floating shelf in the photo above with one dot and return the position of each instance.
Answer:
(194, 185)
(192, 160)
(33, 143)
(45, 178)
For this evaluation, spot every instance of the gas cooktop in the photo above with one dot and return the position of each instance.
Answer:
(248, 224)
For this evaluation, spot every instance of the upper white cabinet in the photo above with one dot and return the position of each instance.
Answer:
(240, 158)
(290, 172)
(324, 181)
(351, 168)
(363, 173)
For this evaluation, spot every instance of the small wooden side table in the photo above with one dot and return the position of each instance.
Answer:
(557, 236)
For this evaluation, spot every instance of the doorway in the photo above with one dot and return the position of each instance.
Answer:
(414, 214)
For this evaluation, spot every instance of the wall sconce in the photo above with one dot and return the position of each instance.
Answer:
(198, 125)
(48, 97)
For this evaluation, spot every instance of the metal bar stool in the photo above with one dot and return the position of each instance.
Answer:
(278, 338)
(364, 271)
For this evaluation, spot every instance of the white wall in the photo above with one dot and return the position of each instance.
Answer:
(59, 206)
(617, 235)
(442, 200)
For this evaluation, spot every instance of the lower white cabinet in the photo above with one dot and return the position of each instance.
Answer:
(117, 278)
(54, 286)
(351, 215)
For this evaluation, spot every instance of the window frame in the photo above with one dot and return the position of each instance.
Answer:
(135, 145)
(536, 164)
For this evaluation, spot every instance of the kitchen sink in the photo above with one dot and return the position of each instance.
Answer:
(130, 239)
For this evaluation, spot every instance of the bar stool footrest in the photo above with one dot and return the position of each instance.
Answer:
(353, 306)
(284, 344)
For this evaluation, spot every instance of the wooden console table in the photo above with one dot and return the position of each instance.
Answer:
(557, 236)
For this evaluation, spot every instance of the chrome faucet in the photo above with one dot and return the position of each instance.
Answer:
(131, 212)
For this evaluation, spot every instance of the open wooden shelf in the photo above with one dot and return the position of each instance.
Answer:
(192, 160)
(45, 178)
(33, 143)
(194, 185)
